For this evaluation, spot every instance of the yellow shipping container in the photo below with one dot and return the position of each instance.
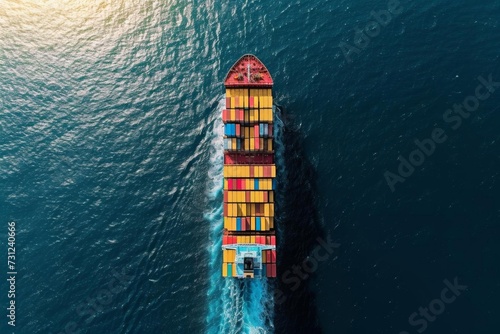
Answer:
(271, 222)
(234, 270)
(266, 209)
(224, 255)
(264, 257)
(245, 101)
(252, 223)
(231, 255)
(224, 269)
(252, 239)
(270, 196)
(271, 209)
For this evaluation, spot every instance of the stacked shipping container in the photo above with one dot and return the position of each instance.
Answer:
(249, 171)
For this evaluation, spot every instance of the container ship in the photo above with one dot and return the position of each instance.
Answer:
(249, 238)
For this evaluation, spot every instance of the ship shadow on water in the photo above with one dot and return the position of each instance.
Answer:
(299, 229)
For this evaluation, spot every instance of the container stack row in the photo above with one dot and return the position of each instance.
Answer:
(248, 138)
(249, 98)
(247, 116)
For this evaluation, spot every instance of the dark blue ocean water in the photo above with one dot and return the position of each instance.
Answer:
(110, 165)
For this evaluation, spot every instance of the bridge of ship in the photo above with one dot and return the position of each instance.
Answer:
(249, 259)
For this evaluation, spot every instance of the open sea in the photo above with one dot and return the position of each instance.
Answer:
(388, 148)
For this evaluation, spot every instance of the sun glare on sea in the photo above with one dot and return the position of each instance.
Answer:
(60, 19)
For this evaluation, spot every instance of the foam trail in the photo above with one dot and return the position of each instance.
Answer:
(224, 295)
(258, 307)
(234, 306)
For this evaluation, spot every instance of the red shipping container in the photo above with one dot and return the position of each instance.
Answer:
(247, 196)
(270, 130)
(224, 240)
(239, 112)
(268, 240)
(226, 195)
(240, 186)
(228, 102)
(269, 270)
(250, 101)
(225, 210)
(237, 130)
(266, 197)
(230, 184)
(224, 115)
(273, 266)
(273, 256)
(273, 240)
(251, 171)
(256, 130)
(236, 101)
